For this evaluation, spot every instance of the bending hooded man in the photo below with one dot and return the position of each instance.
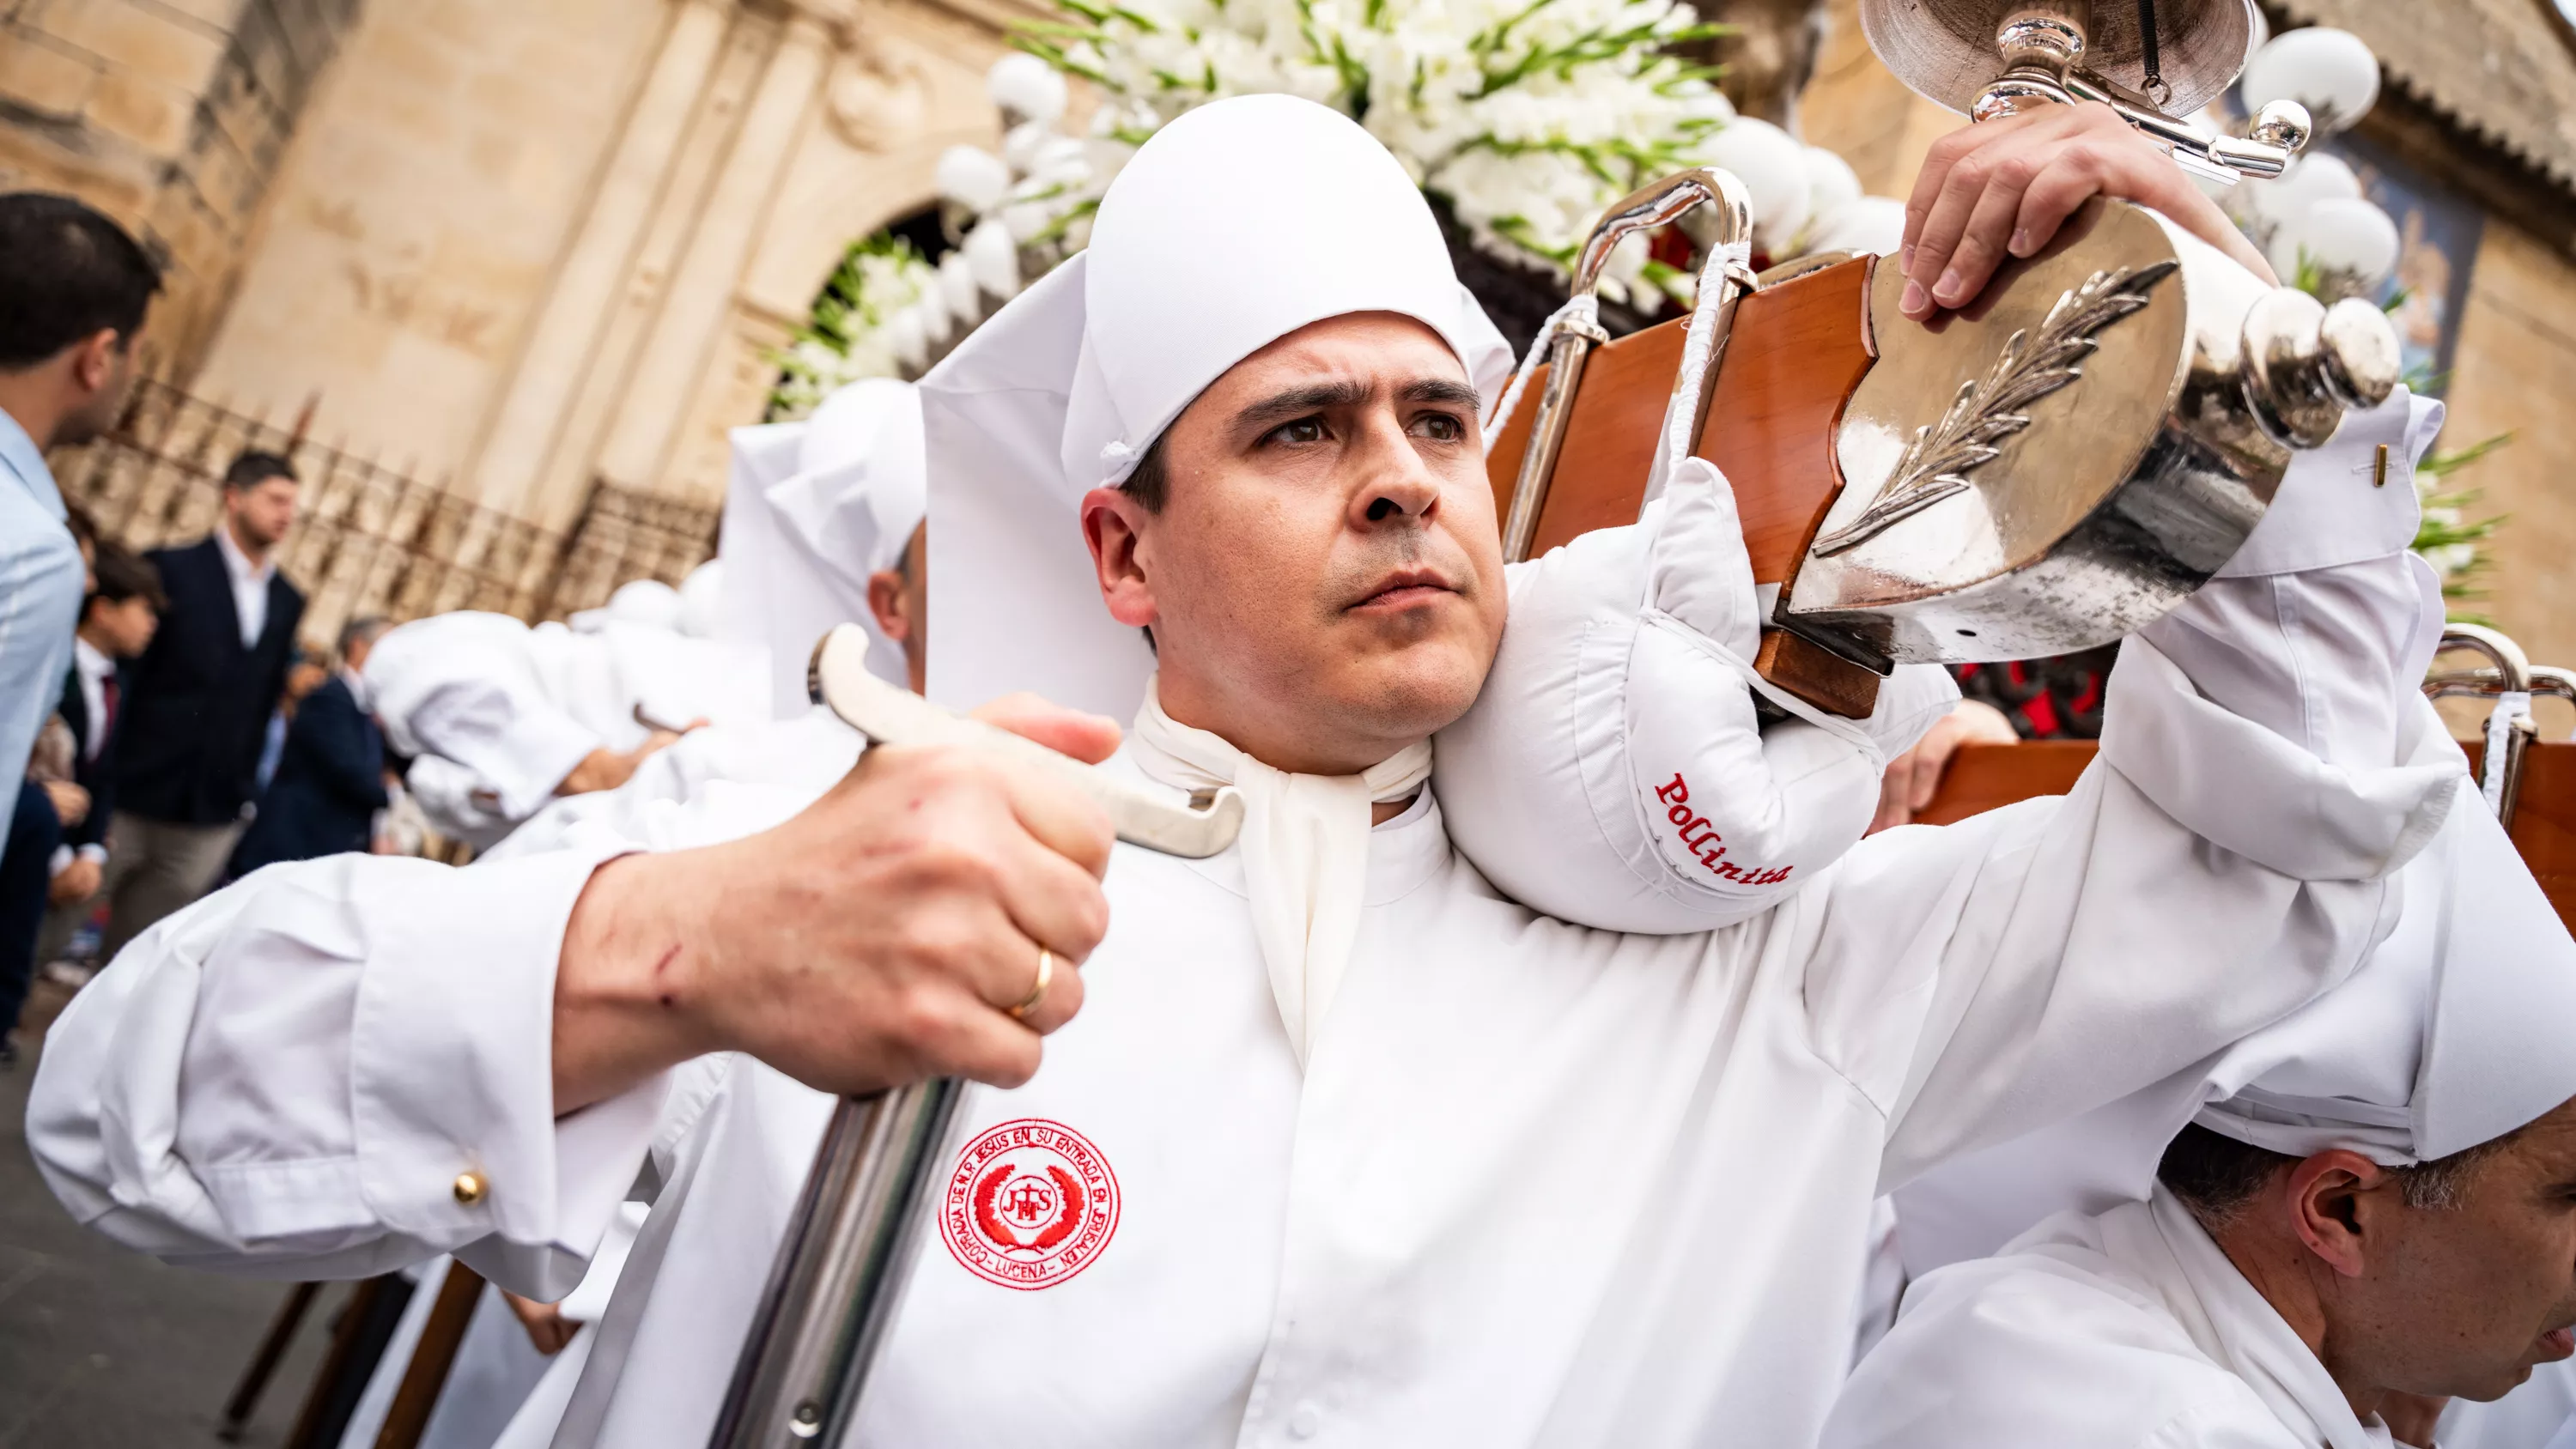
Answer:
(823, 526)
(2373, 1209)
(823, 523)
(1346, 1146)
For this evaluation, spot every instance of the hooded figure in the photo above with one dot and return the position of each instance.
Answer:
(2372, 1198)
(816, 509)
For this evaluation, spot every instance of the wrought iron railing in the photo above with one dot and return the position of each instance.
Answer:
(369, 539)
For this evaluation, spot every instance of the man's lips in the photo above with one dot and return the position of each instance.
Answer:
(2556, 1344)
(1406, 588)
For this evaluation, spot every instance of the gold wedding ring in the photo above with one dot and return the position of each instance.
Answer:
(1037, 993)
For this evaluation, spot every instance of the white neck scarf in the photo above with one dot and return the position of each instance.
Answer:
(1305, 852)
(2232, 1322)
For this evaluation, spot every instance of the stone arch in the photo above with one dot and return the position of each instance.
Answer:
(908, 86)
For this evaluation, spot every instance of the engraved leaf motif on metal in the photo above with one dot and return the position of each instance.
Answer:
(1988, 410)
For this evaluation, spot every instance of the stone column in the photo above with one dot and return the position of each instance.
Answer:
(563, 345)
(674, 356)
(706, 140)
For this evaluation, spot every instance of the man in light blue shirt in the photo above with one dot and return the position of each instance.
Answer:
(72, 298)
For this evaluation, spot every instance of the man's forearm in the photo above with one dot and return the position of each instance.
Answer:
(627, 986)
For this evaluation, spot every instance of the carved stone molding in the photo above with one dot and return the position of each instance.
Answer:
(874, 99)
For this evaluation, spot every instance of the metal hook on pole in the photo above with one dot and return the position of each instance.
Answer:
(2511, 680)
(1726, 275)
(849, 1249)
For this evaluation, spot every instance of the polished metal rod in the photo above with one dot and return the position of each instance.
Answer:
(833, 1289)
(857, 1229)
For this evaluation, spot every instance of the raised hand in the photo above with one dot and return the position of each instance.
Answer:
(2002, 188)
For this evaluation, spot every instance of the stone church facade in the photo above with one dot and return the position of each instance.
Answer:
(513, 267)
(512, 244)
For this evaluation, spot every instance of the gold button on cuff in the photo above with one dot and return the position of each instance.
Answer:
(470, 1188)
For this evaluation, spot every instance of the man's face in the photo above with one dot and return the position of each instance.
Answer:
(103, 373)
(263, 512)
(1324, 582)
(2464, 1299)
(900, 600)
(127, 625)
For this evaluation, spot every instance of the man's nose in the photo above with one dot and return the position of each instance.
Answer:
(1398, 485)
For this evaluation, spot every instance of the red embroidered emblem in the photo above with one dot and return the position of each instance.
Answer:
(1030, 1204)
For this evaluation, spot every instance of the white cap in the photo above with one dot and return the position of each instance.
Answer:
(812, 510)
(2459, 1029)
(1234, 226)
(702, 599)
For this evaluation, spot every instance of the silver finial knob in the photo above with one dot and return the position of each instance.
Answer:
(2306, 364)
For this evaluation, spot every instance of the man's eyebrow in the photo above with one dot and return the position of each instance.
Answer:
(1440, 390)
(1297, 402)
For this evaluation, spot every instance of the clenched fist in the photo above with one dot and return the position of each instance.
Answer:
(883, 935)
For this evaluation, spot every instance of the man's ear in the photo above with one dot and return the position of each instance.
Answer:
(886, 603)
(2338, 1201)
(94, 359)
(1113, 523)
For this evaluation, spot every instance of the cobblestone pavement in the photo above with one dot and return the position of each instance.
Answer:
(104, 1347)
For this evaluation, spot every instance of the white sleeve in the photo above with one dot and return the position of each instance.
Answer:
(505, 732)
(290, 1077)
(2267, 764)
(1615, 772)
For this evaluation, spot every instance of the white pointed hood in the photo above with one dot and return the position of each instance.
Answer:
(814, 508)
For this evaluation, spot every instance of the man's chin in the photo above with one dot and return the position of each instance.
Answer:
(1417, 687)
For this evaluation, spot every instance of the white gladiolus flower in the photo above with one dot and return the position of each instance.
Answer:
(911, 343)
(1523, 121)
(1020, 144)
(1025, 219)
(1872, 224)
(959, 290)
(1773, 167)
(993, 257)
(1060, 161)
(973, 178)
(931, 314)
(1831, 183)
(1023, 85)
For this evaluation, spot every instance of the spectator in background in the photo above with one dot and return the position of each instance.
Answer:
(117, 623)
(330, 776)
(303, 676)
(35, 826)
(197, 703)
(73, 292)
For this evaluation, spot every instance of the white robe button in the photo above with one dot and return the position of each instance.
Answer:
(1304, 1423)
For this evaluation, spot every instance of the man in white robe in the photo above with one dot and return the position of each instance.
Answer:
(823, 526)
(1347, 1148)
(2376, 1213)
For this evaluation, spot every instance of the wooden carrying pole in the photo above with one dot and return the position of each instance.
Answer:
(426, 1376)
(263, 1363)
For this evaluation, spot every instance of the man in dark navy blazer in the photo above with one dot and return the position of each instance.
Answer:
(197, 703)
(330, 779)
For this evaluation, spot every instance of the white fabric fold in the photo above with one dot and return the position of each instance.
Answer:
(1305, 852)
(2250, 790)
